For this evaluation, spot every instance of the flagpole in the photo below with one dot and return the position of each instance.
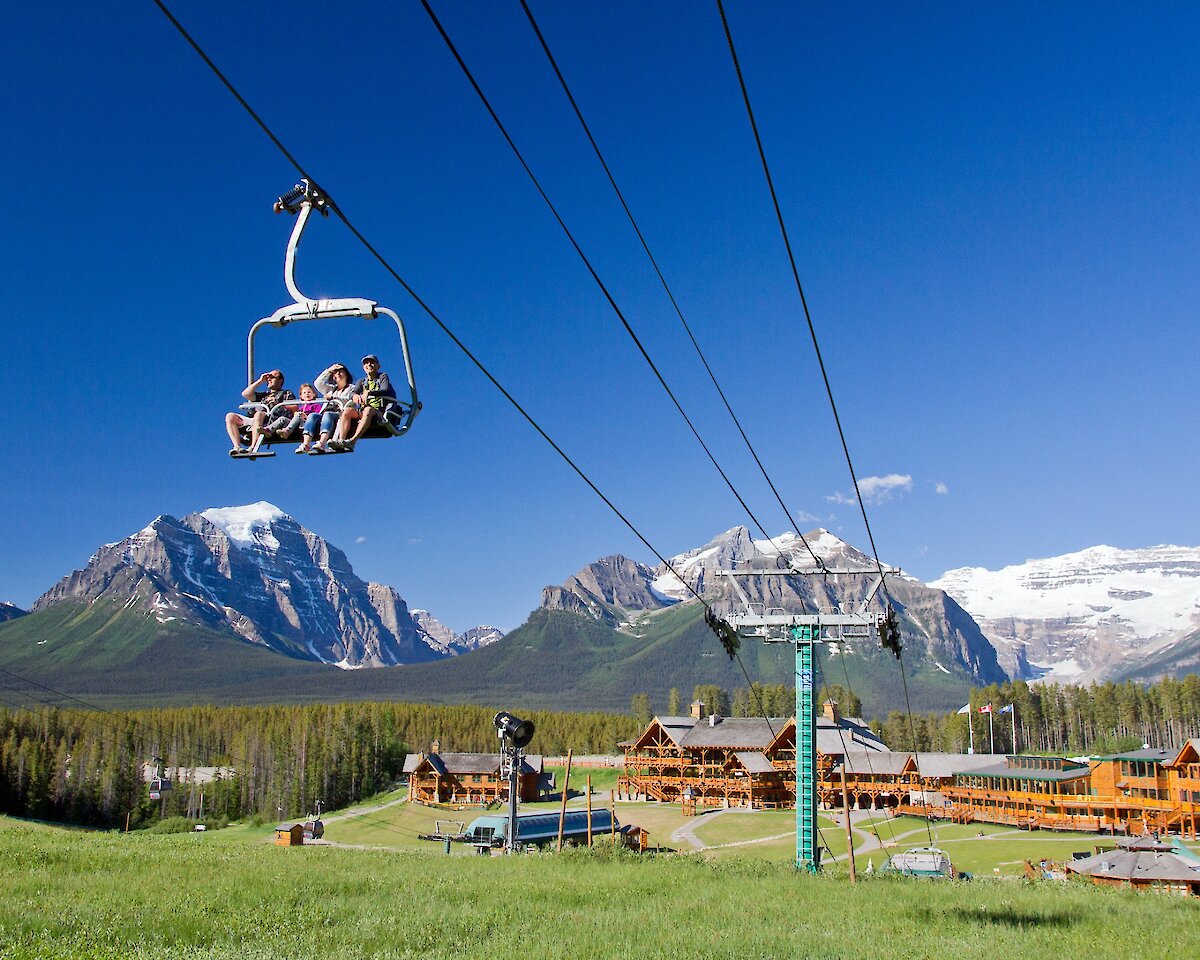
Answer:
(1013, 710)
(991, 732)
(971, 732)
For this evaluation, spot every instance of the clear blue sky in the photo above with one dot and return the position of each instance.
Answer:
(995, 212)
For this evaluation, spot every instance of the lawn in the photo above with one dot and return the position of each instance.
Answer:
(74, 894)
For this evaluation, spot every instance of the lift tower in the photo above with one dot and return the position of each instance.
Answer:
(755, 620)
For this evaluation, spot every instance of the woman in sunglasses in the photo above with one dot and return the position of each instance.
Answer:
(334, 384)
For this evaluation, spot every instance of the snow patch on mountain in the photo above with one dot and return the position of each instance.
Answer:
(248, 525)
(1081, 616)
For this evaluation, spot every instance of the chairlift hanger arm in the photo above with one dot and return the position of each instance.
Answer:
(300, 201)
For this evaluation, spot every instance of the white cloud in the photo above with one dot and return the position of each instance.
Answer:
(876, 489)
(941, 488)
(413, 541)
(360, 539)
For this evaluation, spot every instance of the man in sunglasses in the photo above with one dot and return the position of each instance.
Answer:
(372, 395)
(274, 395)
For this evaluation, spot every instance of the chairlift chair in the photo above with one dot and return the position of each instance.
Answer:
(397, 414)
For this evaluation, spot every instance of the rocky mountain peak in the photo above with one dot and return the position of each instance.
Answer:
(254, 570)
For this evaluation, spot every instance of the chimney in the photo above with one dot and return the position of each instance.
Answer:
(698, 710)
(830, 709)
(713, 720)
(435, 747)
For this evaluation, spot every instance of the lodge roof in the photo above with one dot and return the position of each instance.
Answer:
(733, 732)
(870, 762)
(944, 765)
(754, 762)
(468, 763)
(1138, 862)
(1152, 754)
(759, 733)
(854, 735)
(1003, 770)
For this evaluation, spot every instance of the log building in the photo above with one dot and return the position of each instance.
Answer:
(469, 779)
(704, 761)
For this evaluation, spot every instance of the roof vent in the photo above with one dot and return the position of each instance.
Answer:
(713, 720)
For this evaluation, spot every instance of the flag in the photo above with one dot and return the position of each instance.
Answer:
(966, 709)
(1008, 709)
(986, 709)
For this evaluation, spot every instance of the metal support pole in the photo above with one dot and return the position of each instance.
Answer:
(808, 856)
(514, 780)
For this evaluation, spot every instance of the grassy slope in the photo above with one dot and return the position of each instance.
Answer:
(73, 894)
(556, 661)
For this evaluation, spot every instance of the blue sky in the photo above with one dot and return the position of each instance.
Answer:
(995, 214)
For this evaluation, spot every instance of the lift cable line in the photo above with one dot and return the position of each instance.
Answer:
(888, 627)
(383, 261)
(799, 287)
(662, 279)
(588, 264)
(725, 632)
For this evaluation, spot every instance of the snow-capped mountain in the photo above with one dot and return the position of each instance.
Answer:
(616, 588)
(10, 611)
(255, 570)
(1086, 616)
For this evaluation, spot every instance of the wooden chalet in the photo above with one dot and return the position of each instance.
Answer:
(469, 779)
(704, 760)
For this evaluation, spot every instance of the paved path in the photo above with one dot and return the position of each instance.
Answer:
(361, 811)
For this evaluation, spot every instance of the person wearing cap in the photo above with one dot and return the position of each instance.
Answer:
(335, 384)
(270, 398)
(371, 393)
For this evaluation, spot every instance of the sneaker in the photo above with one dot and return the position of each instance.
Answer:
(237, 451)
(315, 450)
(303, 448)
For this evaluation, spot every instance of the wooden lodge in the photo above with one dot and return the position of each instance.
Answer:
(469, 779)
(1138, 793)
(705, 761)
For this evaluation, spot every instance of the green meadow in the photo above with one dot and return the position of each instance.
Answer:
(233, 894)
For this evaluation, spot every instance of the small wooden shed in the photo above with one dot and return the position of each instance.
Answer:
(635, 837)
(289, 835)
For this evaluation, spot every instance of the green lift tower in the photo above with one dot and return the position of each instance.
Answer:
(755, 620)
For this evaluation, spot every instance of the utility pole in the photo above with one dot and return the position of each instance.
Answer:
(754, 620)
(562, 813)
(849, 831)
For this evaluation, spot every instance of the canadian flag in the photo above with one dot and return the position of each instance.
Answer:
(986, 709)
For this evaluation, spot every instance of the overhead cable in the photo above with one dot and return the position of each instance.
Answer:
(588, 263)
(341, 214)
(662, 279)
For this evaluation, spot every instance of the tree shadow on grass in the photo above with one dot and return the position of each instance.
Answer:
(1003, 917)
